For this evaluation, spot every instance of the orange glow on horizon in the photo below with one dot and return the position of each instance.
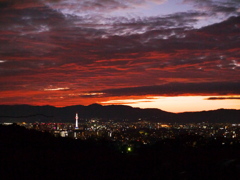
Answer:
(182, 103)
(178, 104)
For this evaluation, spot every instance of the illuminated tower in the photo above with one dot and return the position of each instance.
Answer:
(76, 126)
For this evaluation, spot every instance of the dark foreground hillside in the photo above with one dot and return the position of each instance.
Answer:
(28, 154)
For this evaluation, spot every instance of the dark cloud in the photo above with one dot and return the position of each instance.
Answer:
(213, 7)
(175, 89)
(223, 98)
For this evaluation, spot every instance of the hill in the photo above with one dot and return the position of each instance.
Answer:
(30, 154)
(27, 113)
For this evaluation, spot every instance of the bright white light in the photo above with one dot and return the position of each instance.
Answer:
(56, 89)
(3, 61)
(91, 94)
(235, 63)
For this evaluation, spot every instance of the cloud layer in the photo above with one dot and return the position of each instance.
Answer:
(80, 52)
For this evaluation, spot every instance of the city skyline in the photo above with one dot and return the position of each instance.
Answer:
(173, 55)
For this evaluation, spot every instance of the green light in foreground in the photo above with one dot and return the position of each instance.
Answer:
(129, 149)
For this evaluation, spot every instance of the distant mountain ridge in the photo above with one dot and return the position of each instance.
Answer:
(28, 113)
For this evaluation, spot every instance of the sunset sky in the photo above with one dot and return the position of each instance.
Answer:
(175, 55)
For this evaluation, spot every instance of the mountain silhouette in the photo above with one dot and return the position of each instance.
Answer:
(28, 113)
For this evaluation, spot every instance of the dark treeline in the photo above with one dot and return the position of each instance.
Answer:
(30, 154)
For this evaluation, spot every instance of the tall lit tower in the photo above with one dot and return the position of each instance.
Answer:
(76, 126)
